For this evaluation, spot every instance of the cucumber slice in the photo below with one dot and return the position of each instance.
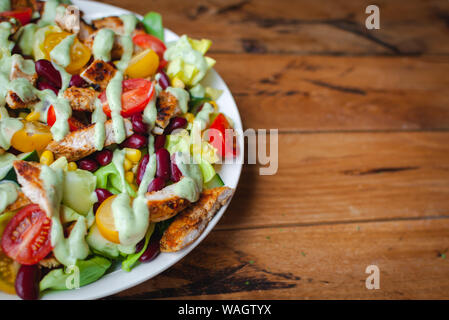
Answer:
(214, 182)
(30, 156)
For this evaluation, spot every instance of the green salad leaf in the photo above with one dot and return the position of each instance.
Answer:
(87, 271)
(152, 22)
(131, 259)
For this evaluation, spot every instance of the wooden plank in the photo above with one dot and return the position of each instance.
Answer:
(294, 93)
(324, 178)
(316, 262)
(306, 27)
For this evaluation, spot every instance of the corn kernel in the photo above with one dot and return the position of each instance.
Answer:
(177, 83)
(127, 165)
(47, 158)
(133, 155)
(71, 166)
(33, 116)
(129, 176)
(189, 117)
(214, 104)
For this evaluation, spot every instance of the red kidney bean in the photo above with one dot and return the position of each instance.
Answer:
(175, 123)
(159, 142)
(88, 164)
(43, 85)
(104, 157)
(152, 250)
(77, 81)
(141, 169)
(156, 185)
(138, 125)
(102, 194)
(45, 69)
(163, 164)
(176, 174)
(139, 245)
(136, 141)
(27, 282)
(164, 81)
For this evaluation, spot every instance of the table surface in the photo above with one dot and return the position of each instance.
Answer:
(363, 178)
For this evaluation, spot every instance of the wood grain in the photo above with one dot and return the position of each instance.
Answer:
(334, 27)
(314, 262)
(304, 93)
(338, 177)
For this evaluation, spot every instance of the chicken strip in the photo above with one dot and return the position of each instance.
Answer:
(117, 48)
(99, 73)
(32, 186)
(81, 99)
(167, 108)
(20, 202)
(81, 143)
(164, 204)
(190, 223)
(116, 24)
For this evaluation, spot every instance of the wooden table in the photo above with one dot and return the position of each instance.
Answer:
(363, 178)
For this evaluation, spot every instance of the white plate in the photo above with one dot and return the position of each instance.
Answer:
(119, 280)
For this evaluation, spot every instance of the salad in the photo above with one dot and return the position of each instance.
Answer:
(108, 145)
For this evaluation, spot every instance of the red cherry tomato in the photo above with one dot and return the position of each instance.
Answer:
(22, 14)
(51, 119)
(26, 238)
(136, 93)
(147, 41)
(218, 137)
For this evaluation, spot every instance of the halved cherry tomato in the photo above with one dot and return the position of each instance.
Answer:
(104, 219)
(147, 41)
(143, 64)
(51, 119)
(22, 14)
(26, 238)
(218, 137)
(33, 136)
(79, 53)
(136, 93)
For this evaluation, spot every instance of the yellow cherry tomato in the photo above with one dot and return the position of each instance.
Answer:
(105, 220)
(79, 53)
(143, 64)
(33, 136)
(8, 267)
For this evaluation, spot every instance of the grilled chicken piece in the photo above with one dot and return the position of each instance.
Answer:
(81, 143)
(99, 72)
(81, 99)
(167, 108)
(115, 24)
(117, 48)
(32, 186)
(69, 20)
(164, 204)
(85, 30)
(20, 202)
(190, 223)
(17, 64)
(14, 101)
(18, 4)
(50, 262)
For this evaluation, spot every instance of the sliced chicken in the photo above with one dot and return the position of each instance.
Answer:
(17, 65)
(115, 24)
(20, 202)
(167, 108)
(81, 143)
(81, 99)
(85, 30)
(99, 73)
(32, 186)
(164, 204)
(190, 223)
(117, 48)
(50, 262)
(14, 101)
